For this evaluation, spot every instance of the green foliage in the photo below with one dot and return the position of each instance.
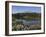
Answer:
(19, 25)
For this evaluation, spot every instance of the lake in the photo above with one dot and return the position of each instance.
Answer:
(29, 21)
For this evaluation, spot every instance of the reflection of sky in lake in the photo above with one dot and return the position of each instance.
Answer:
(21, 9)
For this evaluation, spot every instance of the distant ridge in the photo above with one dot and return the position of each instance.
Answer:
(27, 15)
(25, 12)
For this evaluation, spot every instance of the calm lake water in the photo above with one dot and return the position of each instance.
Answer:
(29, 22)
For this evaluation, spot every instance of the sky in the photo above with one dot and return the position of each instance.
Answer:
(23, 9)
